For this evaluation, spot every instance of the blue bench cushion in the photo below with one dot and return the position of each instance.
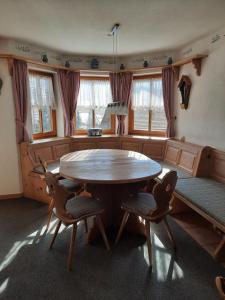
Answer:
(52, 167)
(205, 193)
(167, 167)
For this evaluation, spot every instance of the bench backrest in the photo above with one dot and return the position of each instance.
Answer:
(187, 156)
(217, 165)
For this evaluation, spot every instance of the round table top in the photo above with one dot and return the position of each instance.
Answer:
(108, 166)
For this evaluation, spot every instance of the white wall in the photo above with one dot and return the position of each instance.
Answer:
(10, 176)
(204, 120)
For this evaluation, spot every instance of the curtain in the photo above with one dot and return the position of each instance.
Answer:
(70, 85)
(147, 95)
(94, 94)
(168, 98)
(41, 91)
(121, 86)
(20, 94)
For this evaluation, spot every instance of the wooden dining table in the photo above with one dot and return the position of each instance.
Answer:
(110, 175)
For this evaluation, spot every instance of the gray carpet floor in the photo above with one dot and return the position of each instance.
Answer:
(28, 270)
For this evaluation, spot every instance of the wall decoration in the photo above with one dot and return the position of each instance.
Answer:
(94, 63)
(185, 89)
(145, 64)
(122, 67)
(186, 52)
(67, 64)
(1, 84)
(23, 48)
(44, 58)
(170, 61)
(215, 38)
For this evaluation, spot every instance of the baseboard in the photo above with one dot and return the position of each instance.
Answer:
(11, 196)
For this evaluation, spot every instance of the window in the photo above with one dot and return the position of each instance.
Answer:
(94, 96)
(42, 105)
(147, 115)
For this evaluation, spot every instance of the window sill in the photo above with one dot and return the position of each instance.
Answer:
(105, 136)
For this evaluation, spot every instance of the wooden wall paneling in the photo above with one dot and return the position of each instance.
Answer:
(172, 154)
(45, 153)
(84, 145)
(109, 145)
(187, 160)
(132, 146)
(60, 150)
(154, 150)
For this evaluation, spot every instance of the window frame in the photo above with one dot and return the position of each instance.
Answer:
(53, 132)
(113, 119)
(150, 132)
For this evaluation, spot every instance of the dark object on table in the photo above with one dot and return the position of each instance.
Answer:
(122, 67)
(67, 64)
(44, 58)
(145, 64)
(185, 89)
(94, 131)
(170, 61)
(94, 63)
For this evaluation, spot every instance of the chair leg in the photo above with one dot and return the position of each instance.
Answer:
(86, 225)
(123, 223)
(49, 220)
(50, 208)
(148, 237)
(169, 232)
(71, 249)
(55, 234)
(102, 230)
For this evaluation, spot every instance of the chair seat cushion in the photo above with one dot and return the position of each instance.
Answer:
(70, 186)
(140, 204)
(205, 193)
(53, 167)
(82, 206)
(166, 167)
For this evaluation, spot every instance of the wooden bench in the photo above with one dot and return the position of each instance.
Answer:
(51, 150)
(199, 204)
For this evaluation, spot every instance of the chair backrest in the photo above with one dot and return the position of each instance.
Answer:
(60, 196)
(163, 192)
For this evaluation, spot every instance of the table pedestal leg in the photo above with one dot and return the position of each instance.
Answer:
(112, 196)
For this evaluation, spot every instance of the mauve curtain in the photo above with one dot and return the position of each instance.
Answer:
(168, 98)
(121, 86)
(70, 85)
(20, 94)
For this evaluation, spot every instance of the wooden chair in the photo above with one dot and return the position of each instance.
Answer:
(151, 207)
(220, 284)
(72, 211)
(73, 187)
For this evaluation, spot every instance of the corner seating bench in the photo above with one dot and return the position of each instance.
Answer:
(198, 201)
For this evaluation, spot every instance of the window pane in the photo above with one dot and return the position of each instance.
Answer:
(99, 113)
(84, 119)
(148, 96)
(141, 120)
(35, 120)
(159, 121)
(46, 119)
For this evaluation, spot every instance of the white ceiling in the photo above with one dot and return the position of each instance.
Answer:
(81, 26)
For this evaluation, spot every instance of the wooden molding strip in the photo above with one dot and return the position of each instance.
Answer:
(11, 196)
(195, 59)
